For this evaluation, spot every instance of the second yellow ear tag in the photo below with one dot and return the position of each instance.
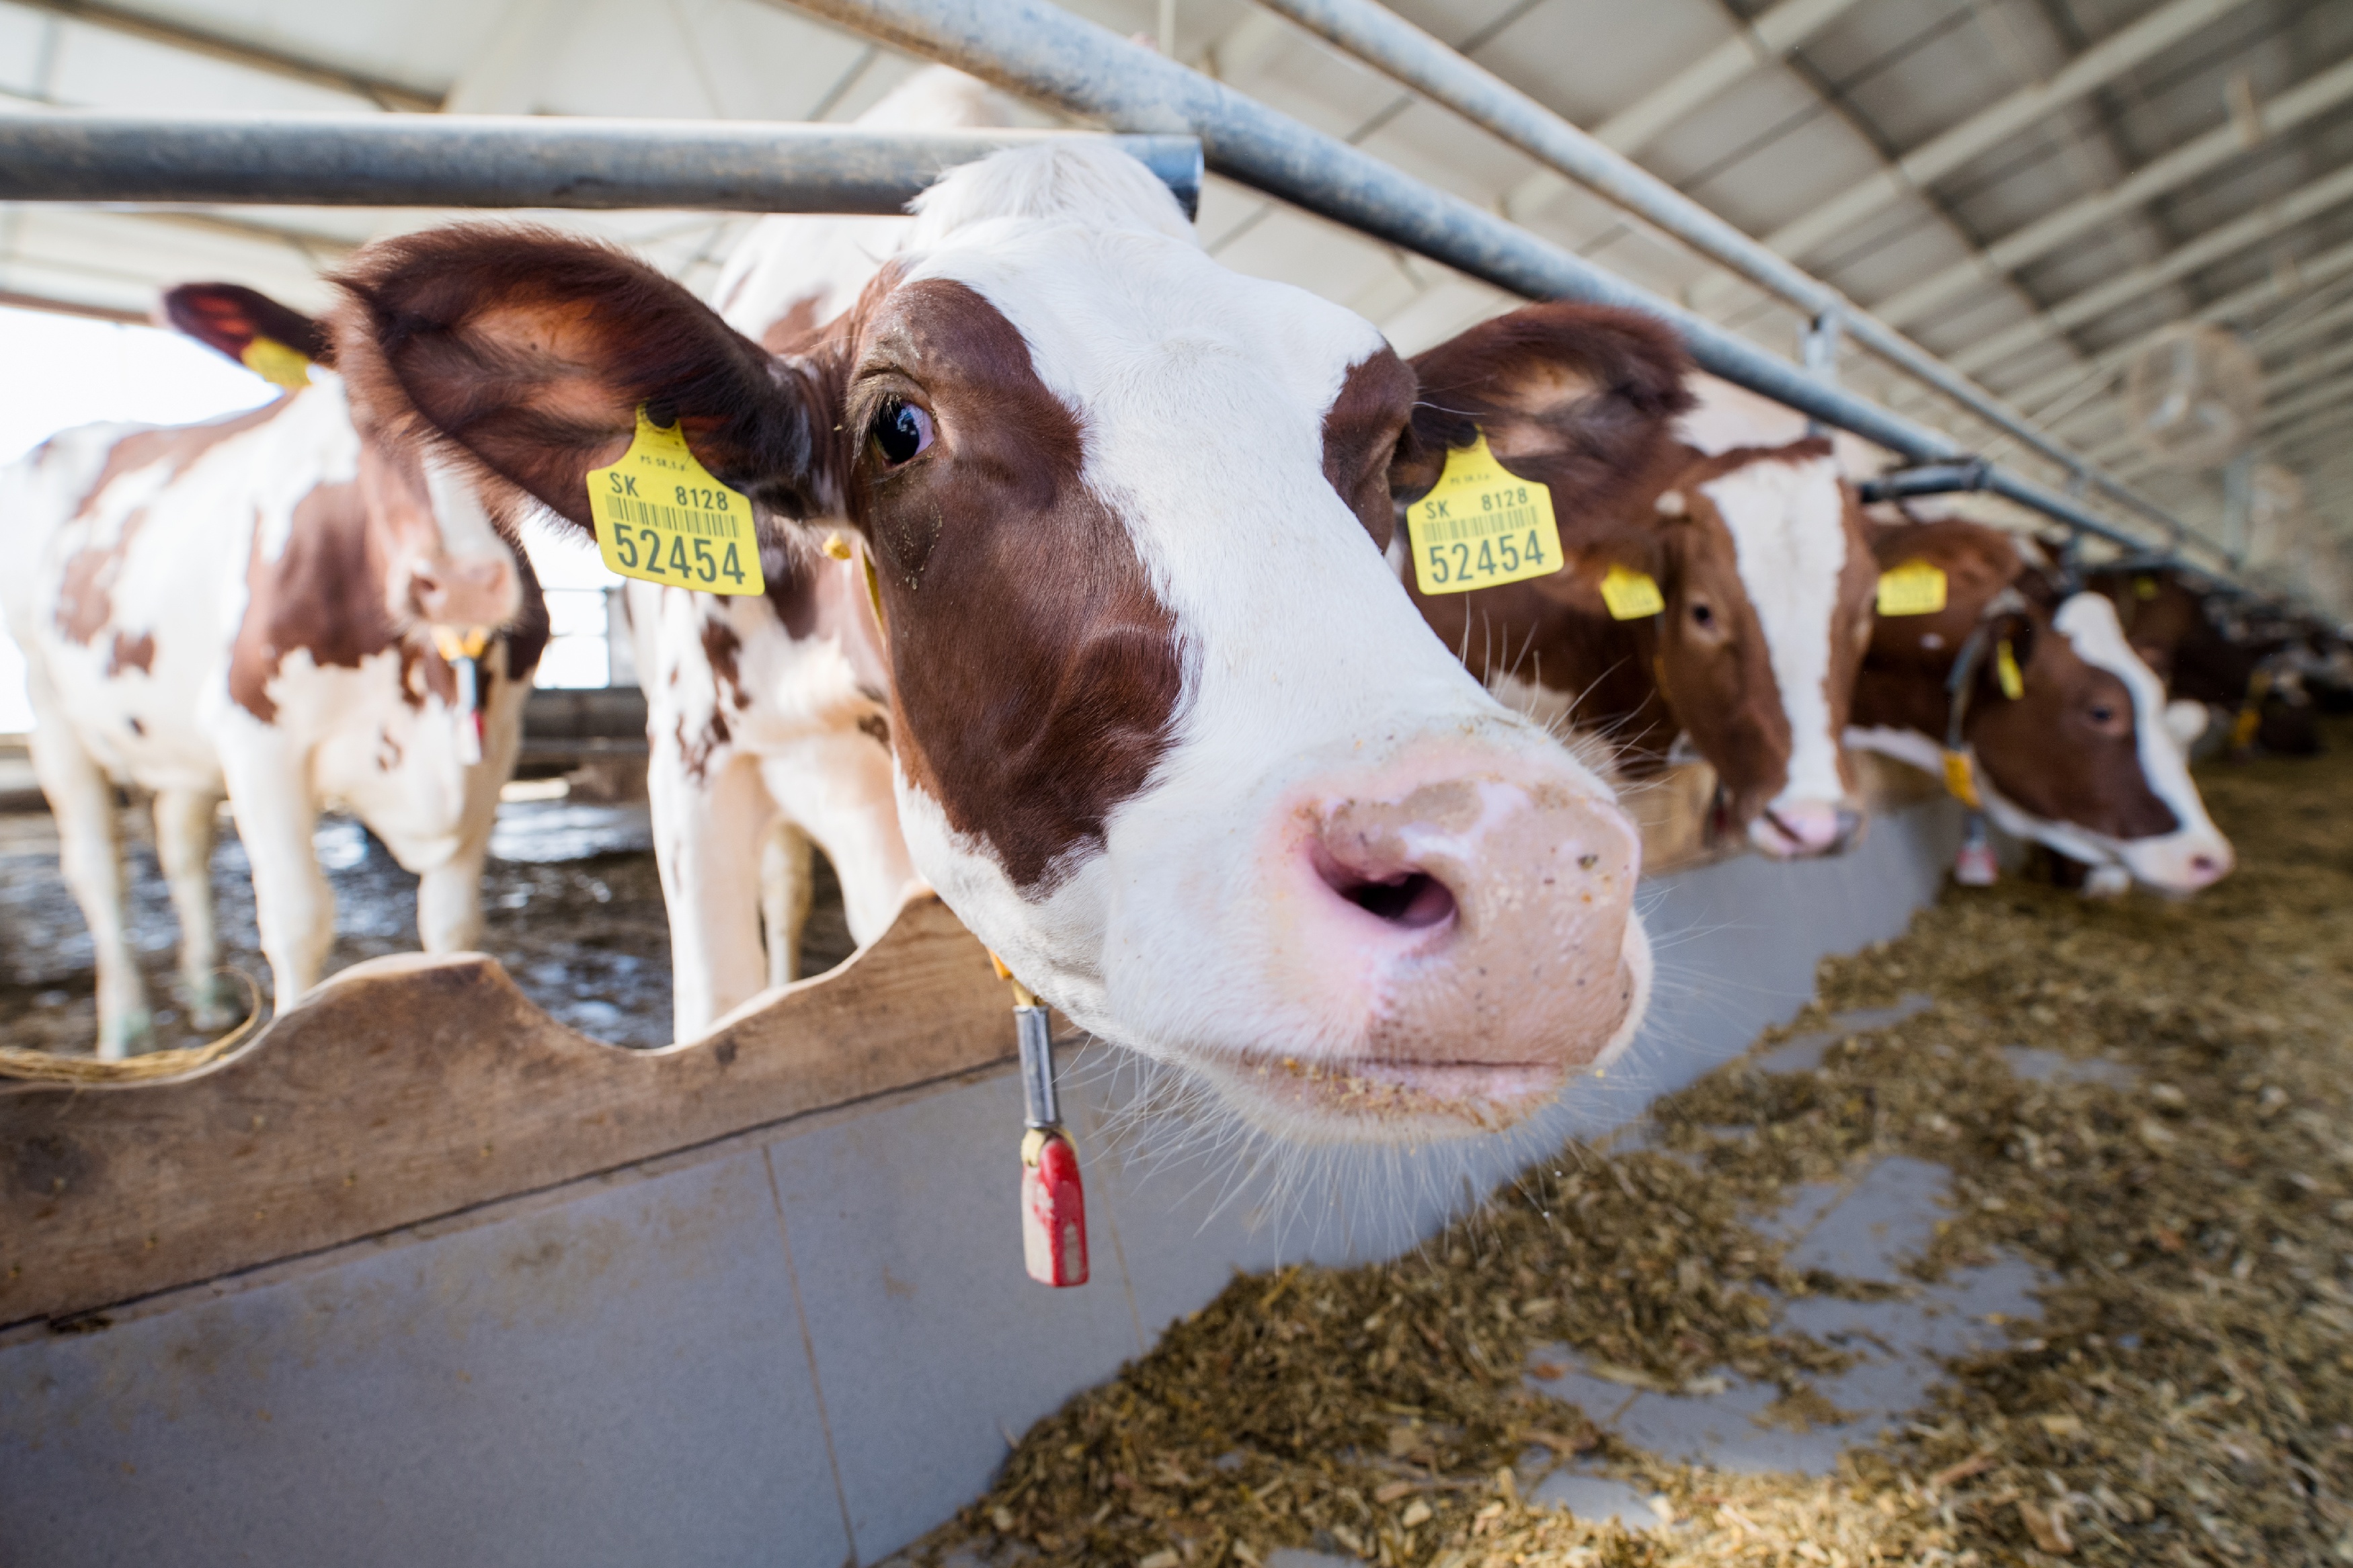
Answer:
(1914, 588)
(1481, 525)
(662, 517)
(2006, 670)
(274, 362)
(1630, 595)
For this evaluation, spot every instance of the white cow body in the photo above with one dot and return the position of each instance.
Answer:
(143, 576)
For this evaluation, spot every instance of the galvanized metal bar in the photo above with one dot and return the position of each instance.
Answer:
(1402, 51)
(508, 161)
(1044, 53)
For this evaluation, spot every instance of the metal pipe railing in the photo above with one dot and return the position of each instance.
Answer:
(1395, 46)
(1044, 53)
(508, 161)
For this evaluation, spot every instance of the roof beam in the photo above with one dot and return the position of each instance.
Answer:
(1940, 155)
(381, 90)
(1766, 41)
(2304, 202)
(2311, 273)
(1753, 45)
(2306, 101)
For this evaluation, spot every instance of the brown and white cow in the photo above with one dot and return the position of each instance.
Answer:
(2083, 759)
(768, 716)
(1279, 837)
(246, 608)
(1759, 553)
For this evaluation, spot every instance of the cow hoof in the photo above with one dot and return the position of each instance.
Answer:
(125, 1035)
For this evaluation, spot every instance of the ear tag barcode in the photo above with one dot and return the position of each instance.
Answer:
(1481, 525)
(1631, 594)
(276, 363)
(1914, 588)
(662, 517)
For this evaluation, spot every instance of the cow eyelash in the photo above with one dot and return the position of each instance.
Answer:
(900, 431)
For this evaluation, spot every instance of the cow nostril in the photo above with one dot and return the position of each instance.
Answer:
(1413, 899)
(2205, 864)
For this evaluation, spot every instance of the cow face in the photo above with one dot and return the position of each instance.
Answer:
(2082, 760)
(410, 525)
(1168, 736)
(1769, 612)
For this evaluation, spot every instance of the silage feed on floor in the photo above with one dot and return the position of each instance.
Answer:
(2185, 1190)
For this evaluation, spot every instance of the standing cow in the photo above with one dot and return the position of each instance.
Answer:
(768, 716)
(1167, 734)
(2065, 736)
(1763, 577)
(257, 608)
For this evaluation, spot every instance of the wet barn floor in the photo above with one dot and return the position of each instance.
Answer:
(572, 902)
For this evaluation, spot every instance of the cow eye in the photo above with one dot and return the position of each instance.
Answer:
(1702, 616)
(900, 431)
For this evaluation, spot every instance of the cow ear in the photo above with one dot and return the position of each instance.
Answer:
(1580, 398)
(232, 319)
(530, 353)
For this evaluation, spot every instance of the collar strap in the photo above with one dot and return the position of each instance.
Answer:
(1961, 680)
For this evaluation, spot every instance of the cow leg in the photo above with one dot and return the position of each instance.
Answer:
(838, 788)
(784, 877)
(184, 843)
(707, 832)
(293, 903)
(89, 853)
(450, 898)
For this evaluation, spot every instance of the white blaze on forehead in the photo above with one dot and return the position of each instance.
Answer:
(2088, 622)
(1787, 521)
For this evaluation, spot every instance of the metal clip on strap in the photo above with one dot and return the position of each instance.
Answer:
(1054, 1201)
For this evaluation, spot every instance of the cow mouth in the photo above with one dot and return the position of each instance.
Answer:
(1369, 1099)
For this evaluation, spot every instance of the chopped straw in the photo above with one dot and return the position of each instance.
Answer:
(2186, 1398)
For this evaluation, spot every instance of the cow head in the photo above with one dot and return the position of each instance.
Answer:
(441, 561)
(1168, 736)
(2083, 758)
(1768, 613)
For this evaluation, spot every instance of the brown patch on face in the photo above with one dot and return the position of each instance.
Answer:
(2068, 749)
(1368, 417)
(131, 653)
(1036, 671)
(1716, 664)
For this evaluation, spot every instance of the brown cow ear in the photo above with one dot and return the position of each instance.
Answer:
(228, 317)
(531, 351)
(1581, 399)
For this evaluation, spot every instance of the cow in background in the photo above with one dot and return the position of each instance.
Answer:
(1757, 552)
(2083, 758)
(258, 608)
(2250, 673)
(767, 718)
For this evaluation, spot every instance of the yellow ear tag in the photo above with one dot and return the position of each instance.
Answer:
(2005, 669)
(1914, 588)
(274, 362)
(1961, 779)
(1481, 526)
(2144, 587)
(662, 517)
(1630, 596)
